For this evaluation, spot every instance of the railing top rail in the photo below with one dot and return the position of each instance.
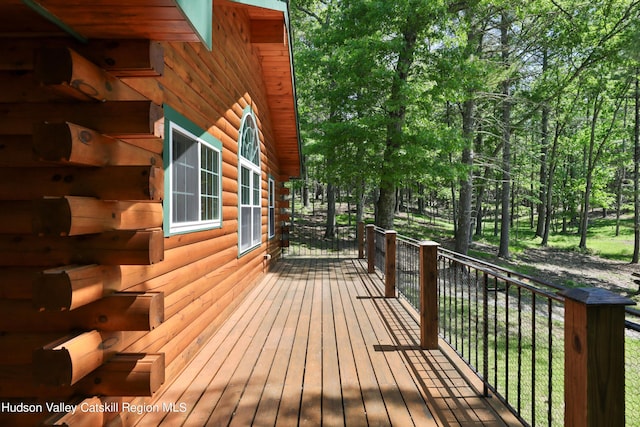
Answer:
(408, 240)
(505, 274)
(455, 255)
(506, 278)
(633, 324)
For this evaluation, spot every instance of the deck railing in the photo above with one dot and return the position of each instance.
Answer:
(408, 270)
(381, 249)
(509, 331)
(309, 239)
(531, 342)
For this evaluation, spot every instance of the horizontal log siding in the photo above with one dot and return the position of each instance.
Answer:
(202, 277)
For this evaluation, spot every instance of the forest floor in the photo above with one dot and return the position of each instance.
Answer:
(564, 267)
(573, 269)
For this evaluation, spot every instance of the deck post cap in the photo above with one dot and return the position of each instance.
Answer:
(595, 296)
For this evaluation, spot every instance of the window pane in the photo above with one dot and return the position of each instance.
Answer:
(185, 178)
(272, 221)
(245, 230)
(256, 189)
(209, 187)
(272, 210)
(216, 207)
(245, 186)
(257, 225)
(250, 143)
(271, 193)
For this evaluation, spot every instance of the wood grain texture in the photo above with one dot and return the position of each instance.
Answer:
(315, 342)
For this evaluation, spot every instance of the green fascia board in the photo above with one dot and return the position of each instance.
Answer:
(283, 7)
(266, 4)
(200, 16)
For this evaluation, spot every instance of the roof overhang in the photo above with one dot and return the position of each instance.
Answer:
(161, 20)
(183, 20)
(271, 38)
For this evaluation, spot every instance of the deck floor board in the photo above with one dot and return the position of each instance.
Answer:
(316, 343)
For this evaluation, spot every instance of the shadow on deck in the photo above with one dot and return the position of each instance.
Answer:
(316, 343)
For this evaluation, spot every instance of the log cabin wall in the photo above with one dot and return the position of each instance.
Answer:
(92, 289)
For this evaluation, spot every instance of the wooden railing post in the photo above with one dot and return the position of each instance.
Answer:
(371, 248)
(360, 237)
(594, 358)
(429, 295)
(390, 264)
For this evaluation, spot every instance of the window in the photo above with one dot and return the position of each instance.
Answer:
(250, 184)
(194, 182)
(272, 208)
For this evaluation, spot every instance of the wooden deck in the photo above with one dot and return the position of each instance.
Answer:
(315, 343)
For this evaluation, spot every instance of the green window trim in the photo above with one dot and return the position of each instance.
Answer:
(272, 208)
(193, 197)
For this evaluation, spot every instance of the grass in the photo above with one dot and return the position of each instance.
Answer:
(632, 380)
(601, 239)
(521, 365)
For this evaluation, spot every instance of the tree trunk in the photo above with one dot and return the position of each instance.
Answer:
(463, 230)
(636, 177)
(421, 204)
(479, 211)
(503, 250)
(397, 113)
(305, 187)
(480, 188)
(619, 180)
(496, 209)
(584, 218)
(542, 205)
(330, 230)
(548, 210)
(621, 173)
(386, 208)
(589, 161)
(360, 196)
(454, 208)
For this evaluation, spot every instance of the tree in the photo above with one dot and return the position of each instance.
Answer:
(338, 101)
(503, 249)
(469, 63)
(363, 56)
(511, 103)
(409, 22)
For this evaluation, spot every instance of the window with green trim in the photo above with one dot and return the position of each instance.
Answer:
(195, 185)
(272, 208)
(250, 177)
